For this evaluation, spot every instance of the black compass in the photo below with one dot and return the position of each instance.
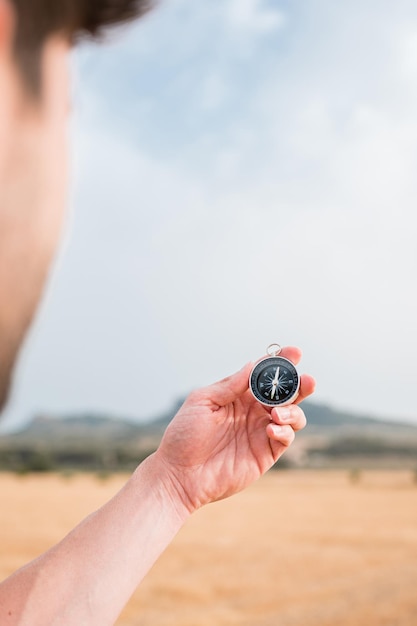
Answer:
(274, 381)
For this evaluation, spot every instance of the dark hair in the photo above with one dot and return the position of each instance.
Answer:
(37, 20)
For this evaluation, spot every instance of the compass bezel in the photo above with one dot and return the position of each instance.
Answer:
(259, 368)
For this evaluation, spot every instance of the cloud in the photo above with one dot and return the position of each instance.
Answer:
(306, 177)
(239, 183)
(214, 92)
(254, 17)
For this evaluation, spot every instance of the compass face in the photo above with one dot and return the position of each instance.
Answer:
(274, 381)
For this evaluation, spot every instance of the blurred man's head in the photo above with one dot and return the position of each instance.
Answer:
(37, 20)
(35, 36)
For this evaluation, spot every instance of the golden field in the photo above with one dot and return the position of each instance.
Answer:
(299, 548)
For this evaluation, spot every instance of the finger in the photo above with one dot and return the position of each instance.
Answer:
(281, 434)
(230, 388)
(292, 415)
(292, 353)
(307, 387)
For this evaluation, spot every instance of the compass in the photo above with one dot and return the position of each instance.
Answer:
(274, 381)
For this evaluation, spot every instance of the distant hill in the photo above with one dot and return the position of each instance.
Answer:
(321, 418)
(97, 441)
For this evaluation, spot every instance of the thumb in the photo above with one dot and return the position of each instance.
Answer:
(230, 388)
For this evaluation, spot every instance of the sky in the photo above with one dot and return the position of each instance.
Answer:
(243, 172)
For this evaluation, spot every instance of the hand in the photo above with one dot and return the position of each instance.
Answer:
(222, 439)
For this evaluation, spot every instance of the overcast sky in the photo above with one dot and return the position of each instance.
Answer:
(244, 173)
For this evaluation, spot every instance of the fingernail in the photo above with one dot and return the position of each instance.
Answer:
(284, 413)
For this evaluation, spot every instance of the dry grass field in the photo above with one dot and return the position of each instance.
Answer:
(297, 549)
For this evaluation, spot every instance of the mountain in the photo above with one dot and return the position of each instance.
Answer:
(97, 441)
(322, 417)
(322, 420)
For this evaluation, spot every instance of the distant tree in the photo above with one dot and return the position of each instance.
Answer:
(355, 476)
(40, 461)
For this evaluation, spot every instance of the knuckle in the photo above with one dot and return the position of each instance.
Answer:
(292, 415)
(300, 420)
(287, 436)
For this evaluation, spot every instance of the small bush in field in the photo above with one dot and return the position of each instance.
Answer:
(355, 476)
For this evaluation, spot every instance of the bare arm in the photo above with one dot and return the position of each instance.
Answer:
(220, 442)
(89, 576)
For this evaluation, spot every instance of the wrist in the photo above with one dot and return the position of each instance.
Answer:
(165, 485)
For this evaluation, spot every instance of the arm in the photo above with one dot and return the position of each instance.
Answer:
(220, 441)
(88, 577)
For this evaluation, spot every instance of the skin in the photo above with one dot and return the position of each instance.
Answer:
(33, 180)
(220, 441)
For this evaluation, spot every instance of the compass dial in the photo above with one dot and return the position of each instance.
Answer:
(274, 381)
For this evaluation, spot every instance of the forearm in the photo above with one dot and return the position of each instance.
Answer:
(88, 577)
